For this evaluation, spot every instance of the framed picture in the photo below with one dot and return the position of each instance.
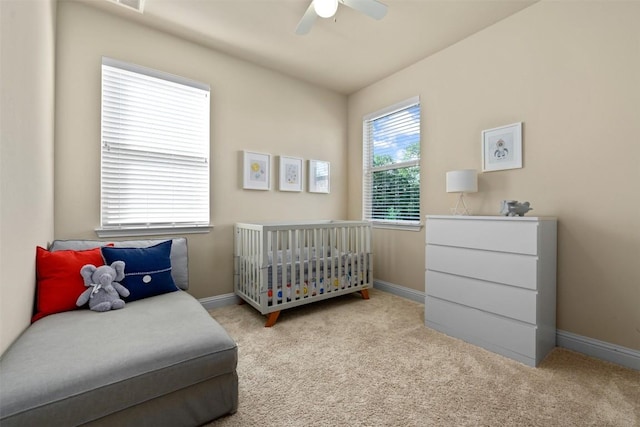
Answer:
(502, 148)
(290, 174)
(256, 171)
(319, 176)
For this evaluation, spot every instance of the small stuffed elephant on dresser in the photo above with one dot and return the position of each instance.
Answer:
(103, 290)
(514, 208)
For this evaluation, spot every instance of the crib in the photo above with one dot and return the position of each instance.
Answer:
(283, 265)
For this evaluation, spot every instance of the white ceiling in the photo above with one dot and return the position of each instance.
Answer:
(345, 54)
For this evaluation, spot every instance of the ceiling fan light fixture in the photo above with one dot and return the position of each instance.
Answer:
(325, 8)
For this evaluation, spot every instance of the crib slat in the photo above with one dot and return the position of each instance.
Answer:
(355, 260)
(254, 273)
(289, 259)
(246, 256)
(274, 267)
(296, 259)
(313, 280)
(296, 285)
(244, 262)
(335, 253)
(360, 258)
(304, 256)
(340, 256)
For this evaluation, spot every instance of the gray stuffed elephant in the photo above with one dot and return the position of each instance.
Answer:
(514, 208)
(103, 290)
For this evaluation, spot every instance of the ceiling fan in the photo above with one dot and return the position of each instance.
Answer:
(328, 8)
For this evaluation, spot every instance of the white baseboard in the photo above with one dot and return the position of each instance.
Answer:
(613, 353)
(400, 291)
(602, 350)
(219, 301)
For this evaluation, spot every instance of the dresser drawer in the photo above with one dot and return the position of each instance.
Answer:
(481, 328)
(509, 301)
(504, 235)
(511, 269)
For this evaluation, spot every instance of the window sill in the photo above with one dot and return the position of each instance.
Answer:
(397, 226)
(152, 231)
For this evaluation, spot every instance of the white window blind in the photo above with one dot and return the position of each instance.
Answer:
(391, 149)
(155, 149)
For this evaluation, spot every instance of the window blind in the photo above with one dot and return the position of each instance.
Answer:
(155, 148)
(391, 150)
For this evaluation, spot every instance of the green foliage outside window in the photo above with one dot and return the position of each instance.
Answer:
(396, 192)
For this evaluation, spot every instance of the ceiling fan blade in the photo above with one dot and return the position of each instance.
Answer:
(305, 24)
(373, 8)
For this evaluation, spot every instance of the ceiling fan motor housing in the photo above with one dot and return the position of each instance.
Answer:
(325, 8)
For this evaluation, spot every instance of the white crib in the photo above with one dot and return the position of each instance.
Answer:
(283, 265)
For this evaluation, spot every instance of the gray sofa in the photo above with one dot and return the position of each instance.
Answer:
(159, 361)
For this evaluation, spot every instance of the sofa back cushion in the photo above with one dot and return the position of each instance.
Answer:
(179, 253)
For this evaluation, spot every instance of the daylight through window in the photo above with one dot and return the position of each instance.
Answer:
(155, 149)
(391, 148)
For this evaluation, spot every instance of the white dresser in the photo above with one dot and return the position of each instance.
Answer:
(491, 281)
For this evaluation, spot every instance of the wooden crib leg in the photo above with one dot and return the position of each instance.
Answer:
(271, 319)
(364, 293)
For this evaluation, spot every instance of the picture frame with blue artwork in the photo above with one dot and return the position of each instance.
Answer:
(290, 173)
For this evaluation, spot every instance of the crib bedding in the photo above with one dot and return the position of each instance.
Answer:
(310, 277)
(278, 266)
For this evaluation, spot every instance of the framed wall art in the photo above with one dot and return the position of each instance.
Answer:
(502, 148)
(290, 174)
(256, 171)
(319, 176)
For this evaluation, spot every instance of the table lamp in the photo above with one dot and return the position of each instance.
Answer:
(462, 181)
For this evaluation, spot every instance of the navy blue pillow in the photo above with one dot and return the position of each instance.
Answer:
(147, 271)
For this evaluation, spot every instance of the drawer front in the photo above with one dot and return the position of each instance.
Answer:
(511, 269)
(494, 235)
(481, 327)
(509, 301)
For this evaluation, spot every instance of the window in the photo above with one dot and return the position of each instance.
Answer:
(155, 151)
(391, 139)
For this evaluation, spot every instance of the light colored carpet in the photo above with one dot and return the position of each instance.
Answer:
(354, 362)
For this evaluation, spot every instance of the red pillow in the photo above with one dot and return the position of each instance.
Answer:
(59, 280)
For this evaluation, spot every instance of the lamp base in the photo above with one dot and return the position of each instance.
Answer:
(461, 207)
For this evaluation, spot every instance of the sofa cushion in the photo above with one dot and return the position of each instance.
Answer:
(179, 253)
(59, 283)
(75, 367)
(147, 271)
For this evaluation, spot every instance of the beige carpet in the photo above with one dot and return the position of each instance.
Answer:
(352, 362)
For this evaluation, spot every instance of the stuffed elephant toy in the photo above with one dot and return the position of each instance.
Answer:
(103, 290)
(514, 208)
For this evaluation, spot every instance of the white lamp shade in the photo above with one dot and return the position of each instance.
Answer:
(462, 181)
(325, 8)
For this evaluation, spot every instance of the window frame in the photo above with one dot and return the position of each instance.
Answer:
(200, 223)
(369, 169)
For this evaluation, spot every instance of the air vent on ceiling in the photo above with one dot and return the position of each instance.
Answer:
(136, 5)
